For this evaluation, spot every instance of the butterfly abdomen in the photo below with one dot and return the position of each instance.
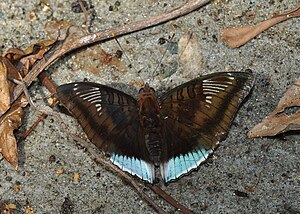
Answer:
(153, 144)
(150, 121)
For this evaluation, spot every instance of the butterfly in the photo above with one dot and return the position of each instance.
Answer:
(166, 136)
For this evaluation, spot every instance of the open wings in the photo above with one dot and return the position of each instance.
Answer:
(195, 117)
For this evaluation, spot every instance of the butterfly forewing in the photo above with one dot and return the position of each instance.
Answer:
(197, 115)
(110, 119)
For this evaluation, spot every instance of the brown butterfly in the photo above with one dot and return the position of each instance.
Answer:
(174, 132)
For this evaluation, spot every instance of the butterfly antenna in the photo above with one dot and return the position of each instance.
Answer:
(164, 54)
(127, 58)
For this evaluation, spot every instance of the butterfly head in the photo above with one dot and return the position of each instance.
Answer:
(146, 94)
(146, 90)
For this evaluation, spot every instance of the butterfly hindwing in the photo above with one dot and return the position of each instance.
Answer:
(197, 115)
(110, 119)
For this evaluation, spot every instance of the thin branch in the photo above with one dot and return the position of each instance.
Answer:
(85, 14)
(44, 79)
(155, 188)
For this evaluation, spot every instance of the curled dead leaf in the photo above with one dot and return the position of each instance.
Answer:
(12, 73)
(8, 145)
(15, 64)
(4, 89)
(17, 54)
(278, 121)
(13, 118)
(237, 36)
(24, 60)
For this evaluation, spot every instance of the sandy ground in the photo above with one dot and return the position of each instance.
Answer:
(272, 164)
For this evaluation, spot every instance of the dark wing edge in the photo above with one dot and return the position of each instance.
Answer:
(195, 112)
(109, 118)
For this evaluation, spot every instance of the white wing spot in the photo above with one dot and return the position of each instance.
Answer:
(215, 86)
(208, 99)
(209, 91)
(98, 106)
(99, 100)
(90, 95)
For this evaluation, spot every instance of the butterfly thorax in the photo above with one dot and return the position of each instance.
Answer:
(150, 120)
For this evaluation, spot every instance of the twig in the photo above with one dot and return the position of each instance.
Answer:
(26, 92)
(61, 50)
(155, 188)
(44, 79)
(85, 14)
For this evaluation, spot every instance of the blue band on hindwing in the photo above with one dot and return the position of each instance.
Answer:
(134, 166)
(183, 164)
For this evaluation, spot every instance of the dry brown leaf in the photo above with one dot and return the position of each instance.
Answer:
(8, 145)
(189, 52)
(4, 89)
(94, 58)
(16, 54)
(29, 56)
(12, 73)
(278, 121)
(14, 65)
(237, 36)
(11, 120)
